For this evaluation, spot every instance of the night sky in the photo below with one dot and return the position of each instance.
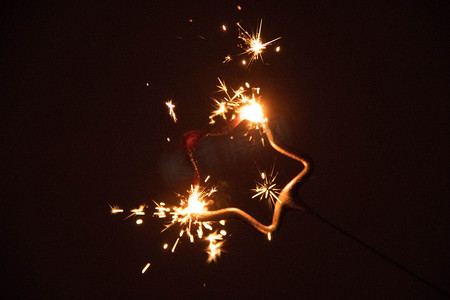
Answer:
(361, 88)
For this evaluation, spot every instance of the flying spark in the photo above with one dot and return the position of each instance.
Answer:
(185, 216)
(171, 107)
(115, 209)
(215, 246)
(137, 211)
(227, 59)
(145, 268)
(267, 189)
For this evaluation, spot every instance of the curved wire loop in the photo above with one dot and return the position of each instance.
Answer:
(286, 196)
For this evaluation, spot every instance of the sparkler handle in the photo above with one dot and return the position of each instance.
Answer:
(285, 198)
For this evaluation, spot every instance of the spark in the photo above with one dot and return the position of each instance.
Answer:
(175, 245)
(171, 107)
(161, 210)
(214, 248)
(145, 268)
(139, 221)
(115, 209)
(227, 59)
(224, 28)
(255, 46)
(165, 246)
(238, 7)
(185, 216)
(267, 189)
(137, 211)
(277, 49)
(168, 139)
(207, 178)
(269, 236)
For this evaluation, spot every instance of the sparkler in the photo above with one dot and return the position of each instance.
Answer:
(193, 216)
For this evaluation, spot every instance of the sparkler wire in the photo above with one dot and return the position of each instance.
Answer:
(375, 251)
(286, 200)
(285, 197)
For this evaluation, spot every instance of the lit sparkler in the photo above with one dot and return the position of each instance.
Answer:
(193, 215)
(255, 46)
(137, 211)
(171, 108)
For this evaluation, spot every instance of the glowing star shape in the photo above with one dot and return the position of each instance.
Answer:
(255, 46)
(285, 198)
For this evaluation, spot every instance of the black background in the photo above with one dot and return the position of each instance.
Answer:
(361, 87)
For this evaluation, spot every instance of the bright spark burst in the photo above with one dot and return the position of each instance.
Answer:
(185, 216)
(255, 46)
(237, 102)
(267, 189)
(171, 107)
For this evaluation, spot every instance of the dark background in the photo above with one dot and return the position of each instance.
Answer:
(362, 88)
